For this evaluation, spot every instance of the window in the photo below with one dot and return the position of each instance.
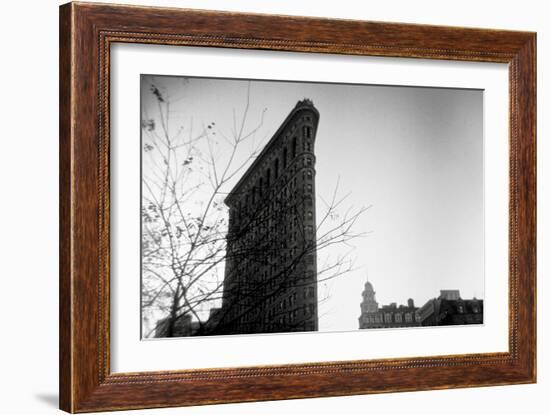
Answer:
(268, 178)
(294, 146)
(307, 131)
(285, 155)
(276, 168)
(308, 146)
(310, 215)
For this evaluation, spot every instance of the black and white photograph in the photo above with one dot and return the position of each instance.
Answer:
(275, 207)
(272, 206)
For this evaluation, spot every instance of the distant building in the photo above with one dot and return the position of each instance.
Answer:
(182, 326)
(450, 309)
(270, 281)
(386, 316)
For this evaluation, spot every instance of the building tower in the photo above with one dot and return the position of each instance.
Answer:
(270, 282)
(368, 305)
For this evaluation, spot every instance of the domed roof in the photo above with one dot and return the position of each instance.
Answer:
(368, 286)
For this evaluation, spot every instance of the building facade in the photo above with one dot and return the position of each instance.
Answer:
(450, 309)
(270, 281)
(374, 316)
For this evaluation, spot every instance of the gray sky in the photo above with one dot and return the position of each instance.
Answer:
(414, 154)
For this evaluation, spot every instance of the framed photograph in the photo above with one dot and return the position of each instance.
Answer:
(258, 207)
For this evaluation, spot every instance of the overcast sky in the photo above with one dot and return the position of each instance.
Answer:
(414, 154)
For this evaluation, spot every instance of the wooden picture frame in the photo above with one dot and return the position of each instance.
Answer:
(86, 33)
